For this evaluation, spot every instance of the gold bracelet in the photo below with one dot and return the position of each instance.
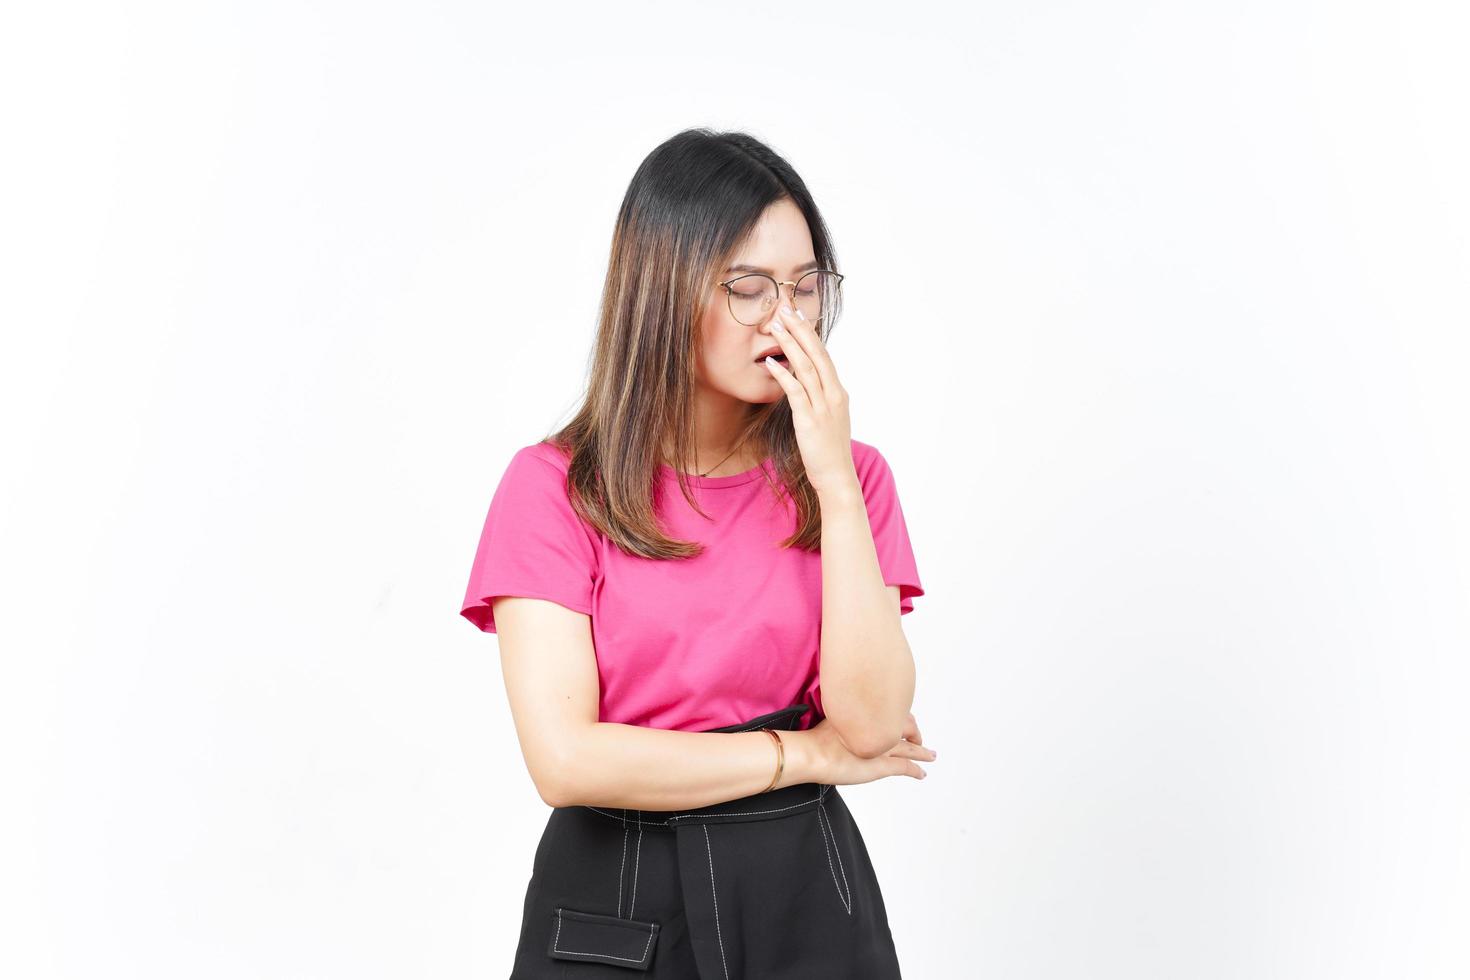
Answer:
(780, 759)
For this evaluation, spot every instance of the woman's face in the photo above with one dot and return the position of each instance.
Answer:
(729, 360)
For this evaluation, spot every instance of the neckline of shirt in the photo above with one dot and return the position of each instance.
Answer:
(732, 480)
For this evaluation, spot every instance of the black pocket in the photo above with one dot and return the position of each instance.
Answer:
(595, 938)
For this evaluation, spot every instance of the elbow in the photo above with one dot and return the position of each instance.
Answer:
(555, 781)
(868, 726)
(552, 794)
(872, 750)
(863, 734)
(871, 743)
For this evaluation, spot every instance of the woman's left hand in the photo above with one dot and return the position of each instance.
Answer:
(818, 402)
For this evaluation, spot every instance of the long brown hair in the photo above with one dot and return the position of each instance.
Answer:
(691, 204)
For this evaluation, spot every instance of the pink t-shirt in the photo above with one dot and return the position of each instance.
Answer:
(684, 644)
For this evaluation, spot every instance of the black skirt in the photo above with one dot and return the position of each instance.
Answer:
(768, 886)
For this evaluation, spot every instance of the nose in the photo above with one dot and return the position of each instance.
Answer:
(781, 300)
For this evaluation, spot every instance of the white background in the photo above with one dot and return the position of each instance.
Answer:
(1158, 312)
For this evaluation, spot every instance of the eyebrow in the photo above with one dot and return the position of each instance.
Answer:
(804, 267)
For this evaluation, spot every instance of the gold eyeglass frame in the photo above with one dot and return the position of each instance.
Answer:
(729, 304)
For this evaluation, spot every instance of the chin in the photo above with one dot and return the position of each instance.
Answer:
(754, 394)
(759, 396)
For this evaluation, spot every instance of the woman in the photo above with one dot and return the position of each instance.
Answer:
(668, 575)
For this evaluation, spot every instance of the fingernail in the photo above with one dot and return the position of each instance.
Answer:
(777, 325)
(800, 315)
(786, 310)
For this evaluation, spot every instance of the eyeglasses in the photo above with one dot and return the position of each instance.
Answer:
(752, 297)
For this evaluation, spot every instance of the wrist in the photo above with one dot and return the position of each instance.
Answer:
(844, 491)
(804, 761)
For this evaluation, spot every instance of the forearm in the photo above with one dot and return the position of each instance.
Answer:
(630, 766)
(867, 669)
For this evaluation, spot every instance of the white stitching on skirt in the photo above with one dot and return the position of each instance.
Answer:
(637, 853)
(822, 810)
(736, 813)
(821, 816)
(715, 895)
(557, 938)
(623, 864)
(741, 813)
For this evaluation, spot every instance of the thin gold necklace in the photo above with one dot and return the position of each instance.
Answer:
(727, 456)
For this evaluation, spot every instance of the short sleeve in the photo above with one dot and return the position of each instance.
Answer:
(533, 543)
(885, 517)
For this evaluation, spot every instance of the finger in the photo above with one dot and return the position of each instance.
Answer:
(911, 731)
(795, 391)
(798, 360)
(815, 347)
(911, 750)
(909, 768)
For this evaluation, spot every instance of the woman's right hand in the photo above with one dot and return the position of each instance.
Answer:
(836, 765)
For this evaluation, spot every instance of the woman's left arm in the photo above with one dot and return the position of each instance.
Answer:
(867, 669)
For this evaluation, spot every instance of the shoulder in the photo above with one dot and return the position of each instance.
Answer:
(875, 477)
(535, 476)
(534, 489)
(868, 461)
(542, 461)
(863, 451)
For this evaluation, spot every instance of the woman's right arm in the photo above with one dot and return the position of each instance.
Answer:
(550, 669)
